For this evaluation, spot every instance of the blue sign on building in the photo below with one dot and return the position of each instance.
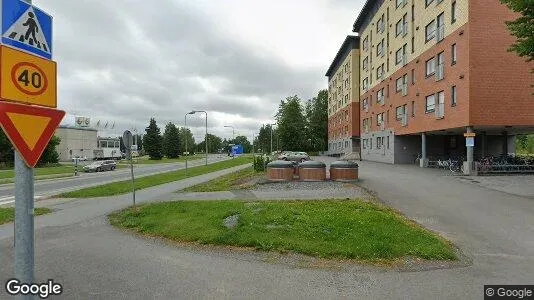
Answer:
(237, 149)
(27, 28)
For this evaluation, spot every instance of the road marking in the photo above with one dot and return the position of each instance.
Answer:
(11, 199)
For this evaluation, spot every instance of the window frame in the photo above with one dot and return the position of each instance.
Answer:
(453, 12)
(454, 55)
(432, 35)
(431, 62)
(433, 106)
(454, 96)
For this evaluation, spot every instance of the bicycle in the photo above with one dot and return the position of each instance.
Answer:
(456, 166)
(417, 159)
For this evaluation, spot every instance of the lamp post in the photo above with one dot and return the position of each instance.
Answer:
(203, 111)
(227, 126)
(186, 138)
(272, 138)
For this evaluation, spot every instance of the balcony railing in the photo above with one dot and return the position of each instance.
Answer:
(404, 120)
(440, 111)
(404, 90)
(439, 72)
(440, 33)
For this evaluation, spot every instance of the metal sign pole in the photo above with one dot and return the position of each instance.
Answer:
(24, 239)
(133, 178)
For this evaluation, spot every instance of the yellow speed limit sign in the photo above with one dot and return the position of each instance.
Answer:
(26, 78)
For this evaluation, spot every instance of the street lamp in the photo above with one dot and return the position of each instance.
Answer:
(186, 138)
(227, 126)
(203, 111)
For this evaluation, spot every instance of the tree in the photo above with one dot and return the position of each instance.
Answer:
(171, 141)
(522, 28)
(186, 135)
(291, 124)
(50, 155)
(7, 156)
(214, 144)
(153, 142)
(318, 122)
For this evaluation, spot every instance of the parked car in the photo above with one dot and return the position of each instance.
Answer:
(79, 158)
(101, 166)
(294, 156)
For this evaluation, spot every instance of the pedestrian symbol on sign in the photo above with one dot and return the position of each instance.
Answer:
(28, 31)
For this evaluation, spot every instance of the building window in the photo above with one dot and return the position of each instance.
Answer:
(400, 111)
(380, 25)
(430, 103)
(379, 119)
(380, 96)
(413, 76)
(430, 31)
(428, 2)
(398, 28)
(400, 3)
(398, 85)
(380, 48)
(388, 141)
(453, 54)
(430, 67)
(401, 28)
(441, 66)
(413, 108)
(366, 43)
(380, 72)
(365, 83)
(453, 12)
(413, 44)
(441, 27)
(365, 63)
(453, 95)
(399, 56)
(441, 105)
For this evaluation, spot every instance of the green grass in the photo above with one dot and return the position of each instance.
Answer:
(224, 183)
(329, 229)
(4, 174)
(8, 214)
(122, 187)
(144, 160)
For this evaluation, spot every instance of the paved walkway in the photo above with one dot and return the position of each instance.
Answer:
(76, 246)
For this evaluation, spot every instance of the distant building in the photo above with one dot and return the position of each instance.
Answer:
(344, 99)
(76, 142)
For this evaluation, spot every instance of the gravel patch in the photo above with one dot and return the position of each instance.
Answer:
(308, 190)
(299, 185)
(231, 221)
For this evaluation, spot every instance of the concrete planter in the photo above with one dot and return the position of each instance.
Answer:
(280, 170)
(312, 171)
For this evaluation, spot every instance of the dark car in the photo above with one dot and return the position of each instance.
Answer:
(101, 166)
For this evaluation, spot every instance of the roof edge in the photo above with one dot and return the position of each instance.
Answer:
(365, 10)
(340, 52)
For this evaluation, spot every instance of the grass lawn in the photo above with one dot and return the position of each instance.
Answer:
(330, 228)
(224, 183)
(144, 160)
(8, 214)
(41, 171)
(122, 187)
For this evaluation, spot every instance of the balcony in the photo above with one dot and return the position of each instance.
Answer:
(440, 111)
(439, 72)
(404, 120)
(440, 33)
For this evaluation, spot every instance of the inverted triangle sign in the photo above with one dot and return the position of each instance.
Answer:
(29, 128)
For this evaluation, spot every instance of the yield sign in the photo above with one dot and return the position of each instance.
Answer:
(29, 128)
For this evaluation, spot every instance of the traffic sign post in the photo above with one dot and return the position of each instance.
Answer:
(28, 76)
(127, 140)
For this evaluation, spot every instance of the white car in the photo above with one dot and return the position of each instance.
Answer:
(79, 158)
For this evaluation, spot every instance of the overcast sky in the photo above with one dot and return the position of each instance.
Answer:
(125, 61)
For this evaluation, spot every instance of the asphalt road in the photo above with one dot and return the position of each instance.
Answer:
(77, 247)
(52, 187)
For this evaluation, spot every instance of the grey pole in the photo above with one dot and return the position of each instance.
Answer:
(132, 172)
(206, 137)
(469, 154)
(422, 162)
(24, 239)
(186, 138)
(271, 140)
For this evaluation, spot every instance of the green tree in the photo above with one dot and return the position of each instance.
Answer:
(153, 141)
(186, 135)
(7, 156)
(318, 122)
(50, 155)
(522, 27)
(171, 141)
(291, 125)
(214, 144)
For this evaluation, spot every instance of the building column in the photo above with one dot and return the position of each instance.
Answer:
(505, 143)
(468, 165)
(423, 162)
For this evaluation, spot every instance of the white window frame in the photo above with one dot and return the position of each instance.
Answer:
(440, 66)
(454, 95)
(440, 27)
(454, 56)
(399, 58)
(398, 84)
(430, 67)
(430, 106)
(430, 31)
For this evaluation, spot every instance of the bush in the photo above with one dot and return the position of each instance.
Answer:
(260, 163)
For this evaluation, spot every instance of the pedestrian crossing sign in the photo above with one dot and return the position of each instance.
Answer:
(27, 28)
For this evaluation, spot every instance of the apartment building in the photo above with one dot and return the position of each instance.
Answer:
(343, 99)
(433, 70)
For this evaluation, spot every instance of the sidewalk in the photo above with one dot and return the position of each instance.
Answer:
(71, 211)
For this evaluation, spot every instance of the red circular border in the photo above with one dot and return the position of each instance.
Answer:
(15, 81)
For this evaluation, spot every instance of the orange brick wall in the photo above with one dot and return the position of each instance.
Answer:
(457, 74)
(500, 80)
(352, 123)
